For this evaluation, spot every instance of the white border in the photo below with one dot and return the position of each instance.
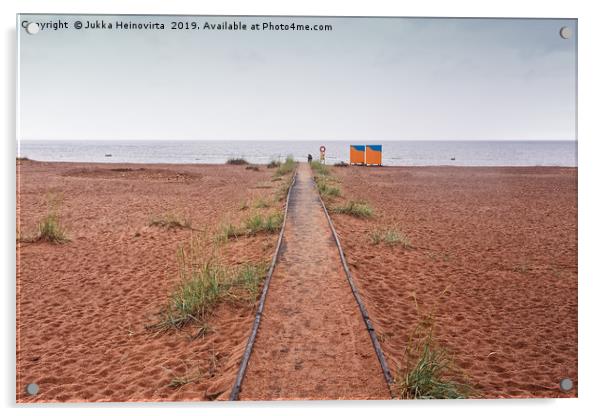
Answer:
(589, 191)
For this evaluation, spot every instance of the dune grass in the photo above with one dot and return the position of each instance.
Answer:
(358, 209)
(285, 168)
(49, 229)
(283, 189)
(237, 161)
(204, 282)
(326, 188)
(320, 168)
(429, 370)
(389, 236)
(254, 224)
(258, 223)
(171, 221)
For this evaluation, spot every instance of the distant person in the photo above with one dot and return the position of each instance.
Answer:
(309, 158)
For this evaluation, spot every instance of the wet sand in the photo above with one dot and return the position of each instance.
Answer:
(494, 258)
(312, 343)
(82, 307)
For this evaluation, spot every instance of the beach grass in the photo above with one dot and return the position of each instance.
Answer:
(171, 221)
(254, 224)
(258, 223)
(51, 230)
(326, 188)
(429, 369)
(237, 161)
(389, 236)
(358, 209)
(320, 168)
(283, 189)
(204, 282)
(285, 168)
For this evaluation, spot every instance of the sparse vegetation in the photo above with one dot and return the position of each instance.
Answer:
(282, 190)
(261, 203)
(355, 208)
(254, 224)
(253, 168)
(320, 168)
(285, 168)
(326, 188)
(258, 223)
(50, 229)
(204, 282)
(171, 221)
(263, 185)
(273, 164)
(341, 164)
(428, 369)
(237, 161)
(390, 236)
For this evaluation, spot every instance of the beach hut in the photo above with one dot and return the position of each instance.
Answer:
(357, 154)
(374, 154)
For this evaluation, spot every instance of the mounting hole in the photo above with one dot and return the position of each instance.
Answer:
(32, 28)
(566, 32)
(566, 384)
(32, 389)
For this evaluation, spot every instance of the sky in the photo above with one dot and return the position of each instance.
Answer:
(366, 79)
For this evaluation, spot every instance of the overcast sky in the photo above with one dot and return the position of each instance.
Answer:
(368, 78)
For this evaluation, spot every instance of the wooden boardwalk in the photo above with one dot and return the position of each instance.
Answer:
(312, 341)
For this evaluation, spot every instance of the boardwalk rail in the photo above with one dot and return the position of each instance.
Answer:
(249, 348)
(358, 299)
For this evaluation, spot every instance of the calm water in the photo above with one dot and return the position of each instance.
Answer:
(409, 153)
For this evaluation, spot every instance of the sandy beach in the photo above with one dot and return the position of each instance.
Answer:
(493, 258)
(490, 259)
(83, 306)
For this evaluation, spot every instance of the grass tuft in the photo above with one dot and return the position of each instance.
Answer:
(205, 282)
(389, 236)
(50, 229)
(285, 168)
(237, 161)
(355, 208)
(320, 168)
(258, 223)
(429, 369)
(325, 188)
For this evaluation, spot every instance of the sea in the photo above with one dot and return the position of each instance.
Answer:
(395, 153)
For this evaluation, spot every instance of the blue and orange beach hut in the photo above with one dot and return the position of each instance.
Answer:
(357, 154)
(374, 154)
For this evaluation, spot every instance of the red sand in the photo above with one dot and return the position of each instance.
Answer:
(82, 307)
(502, 241)
(312, 342)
